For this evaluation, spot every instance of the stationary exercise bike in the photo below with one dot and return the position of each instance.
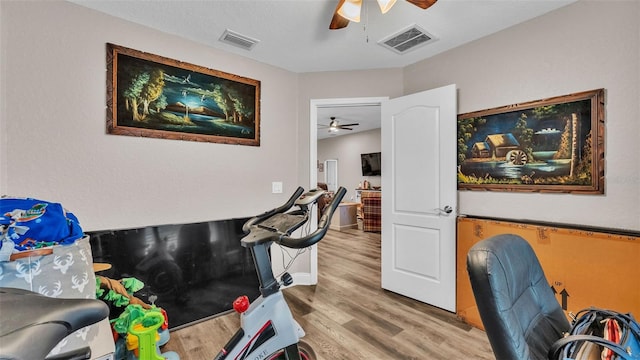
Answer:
(31, 324)
(268, 330)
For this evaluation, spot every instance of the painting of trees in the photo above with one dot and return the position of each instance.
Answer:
(159, 97)
(132, 93)
(524, 134)
(466, 129)
(564, 149)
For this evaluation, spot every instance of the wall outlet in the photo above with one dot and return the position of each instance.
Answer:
(276, 187)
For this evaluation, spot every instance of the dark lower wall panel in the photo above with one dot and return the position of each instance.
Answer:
(196, 270)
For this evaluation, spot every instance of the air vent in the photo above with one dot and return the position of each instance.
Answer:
(235, 39)
(407, 39)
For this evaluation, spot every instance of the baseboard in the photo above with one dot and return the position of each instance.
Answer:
(302, 279)
(345, 227)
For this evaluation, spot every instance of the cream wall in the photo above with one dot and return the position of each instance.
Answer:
(584, 46)
(347, 149)
(3, 132)
(53, 53)
(54, 143)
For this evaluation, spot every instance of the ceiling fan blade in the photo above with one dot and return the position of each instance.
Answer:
(345, 128)
(423, 4)
(338, 22)
(354, 124)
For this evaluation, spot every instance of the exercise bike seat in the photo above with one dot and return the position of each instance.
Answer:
(32, 324)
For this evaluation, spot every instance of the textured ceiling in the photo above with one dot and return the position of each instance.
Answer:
(295, 35)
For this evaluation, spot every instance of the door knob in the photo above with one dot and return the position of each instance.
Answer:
(447, 209)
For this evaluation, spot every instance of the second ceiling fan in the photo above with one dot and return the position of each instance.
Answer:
(349, 10)
(334, 125)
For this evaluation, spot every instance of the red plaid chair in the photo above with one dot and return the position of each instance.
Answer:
(372, 211)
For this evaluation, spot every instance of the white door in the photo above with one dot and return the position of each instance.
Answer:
(331, 174)
(419, 196)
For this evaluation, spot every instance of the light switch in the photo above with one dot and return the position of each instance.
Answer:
(276, 187)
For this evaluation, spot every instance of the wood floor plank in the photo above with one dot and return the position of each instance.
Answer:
(347, 315)
(331, 340)
(321, 303)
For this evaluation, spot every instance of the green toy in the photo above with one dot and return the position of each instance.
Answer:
(146, 329)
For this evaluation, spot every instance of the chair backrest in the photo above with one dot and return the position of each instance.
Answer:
(520, 314)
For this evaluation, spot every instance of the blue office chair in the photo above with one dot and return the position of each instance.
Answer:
(519, 311)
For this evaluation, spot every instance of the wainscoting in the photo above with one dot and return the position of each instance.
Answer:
(584, 266)
(195, 270)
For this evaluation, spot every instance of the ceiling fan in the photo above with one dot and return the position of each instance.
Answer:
(334, 125)
(349, 10)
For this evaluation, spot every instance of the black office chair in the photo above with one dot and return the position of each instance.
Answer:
(519, 311)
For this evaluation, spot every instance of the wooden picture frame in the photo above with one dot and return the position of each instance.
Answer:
(153, 96)
(549, 145)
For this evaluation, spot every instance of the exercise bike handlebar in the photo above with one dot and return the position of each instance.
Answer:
(258, 232)
(286, 206)
(323, 225)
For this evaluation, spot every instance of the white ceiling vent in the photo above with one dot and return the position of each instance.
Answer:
(235, 39)
(407, 39)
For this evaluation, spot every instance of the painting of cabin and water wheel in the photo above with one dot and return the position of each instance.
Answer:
(550, 145)
(153, 96)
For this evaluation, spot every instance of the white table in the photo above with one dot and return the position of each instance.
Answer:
(345, 216)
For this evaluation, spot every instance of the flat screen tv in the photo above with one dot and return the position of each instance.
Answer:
(371, 164)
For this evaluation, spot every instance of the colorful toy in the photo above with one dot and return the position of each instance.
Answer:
(145, 330)
(119, 292)
(140, 329)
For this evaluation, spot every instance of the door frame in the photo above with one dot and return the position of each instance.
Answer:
(314, 105)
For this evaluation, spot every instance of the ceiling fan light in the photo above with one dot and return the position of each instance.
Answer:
(350, 10)
(385, 5)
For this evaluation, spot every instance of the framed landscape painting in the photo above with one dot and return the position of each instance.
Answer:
(153, 96)
(550, 145)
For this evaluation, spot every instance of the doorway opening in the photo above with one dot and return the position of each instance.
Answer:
(314, 106)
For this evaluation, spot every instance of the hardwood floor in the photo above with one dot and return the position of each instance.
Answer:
(348, 316)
